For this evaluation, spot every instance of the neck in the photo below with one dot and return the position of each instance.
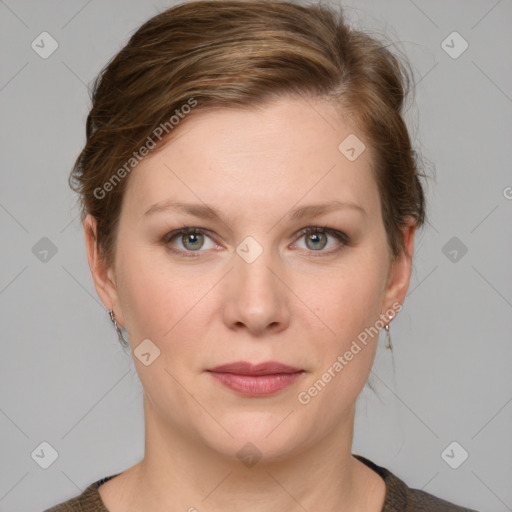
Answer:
(179, 472)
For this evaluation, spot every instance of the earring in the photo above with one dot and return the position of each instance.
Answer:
(388, 338)
(118, 330)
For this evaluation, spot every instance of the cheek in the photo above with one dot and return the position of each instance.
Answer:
(165, 305)
(350, 307)
(347, 299)
(150, 297)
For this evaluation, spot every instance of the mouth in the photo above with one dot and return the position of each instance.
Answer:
(256, 380)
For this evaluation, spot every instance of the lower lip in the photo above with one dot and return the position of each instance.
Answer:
(257, 385)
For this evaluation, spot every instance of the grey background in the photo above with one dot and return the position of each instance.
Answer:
(65, 378)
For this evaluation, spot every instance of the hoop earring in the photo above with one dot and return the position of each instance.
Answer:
(388, 338)
(118, 330)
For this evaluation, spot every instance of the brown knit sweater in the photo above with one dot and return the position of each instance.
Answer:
(399, 497)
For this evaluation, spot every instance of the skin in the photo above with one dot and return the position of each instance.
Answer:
(296, 304)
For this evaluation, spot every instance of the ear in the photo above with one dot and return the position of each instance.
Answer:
(400, 270)
(103, 277)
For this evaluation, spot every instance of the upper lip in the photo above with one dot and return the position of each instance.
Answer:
(245, 368)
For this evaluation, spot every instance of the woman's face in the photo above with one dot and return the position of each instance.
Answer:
(250, 286)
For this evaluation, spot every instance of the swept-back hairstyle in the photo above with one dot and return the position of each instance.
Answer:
(236, 53)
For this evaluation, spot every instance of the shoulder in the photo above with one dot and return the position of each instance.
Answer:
(421, 501)
(401, 498)
(88, 501)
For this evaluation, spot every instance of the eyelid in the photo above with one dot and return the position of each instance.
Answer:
(340, 236)
(169, 237)
(185, 230)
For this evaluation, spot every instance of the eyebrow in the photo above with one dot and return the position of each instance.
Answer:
(207, 212)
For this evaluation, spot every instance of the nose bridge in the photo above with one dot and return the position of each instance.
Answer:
(252, 268)
(255, 296)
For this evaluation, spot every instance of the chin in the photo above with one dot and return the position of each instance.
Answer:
(258, 436)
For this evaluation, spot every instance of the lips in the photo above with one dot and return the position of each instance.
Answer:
(256, 380)
(267, 368)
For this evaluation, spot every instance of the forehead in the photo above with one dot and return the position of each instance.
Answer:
(286, 151)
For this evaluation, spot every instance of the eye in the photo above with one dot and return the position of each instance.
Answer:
(317, 239)
(189, 240)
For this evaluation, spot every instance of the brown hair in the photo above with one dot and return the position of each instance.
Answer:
(236, 53)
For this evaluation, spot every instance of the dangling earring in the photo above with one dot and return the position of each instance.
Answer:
(388, 338)
(119, 333)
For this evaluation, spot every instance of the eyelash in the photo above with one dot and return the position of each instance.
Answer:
(339, 235)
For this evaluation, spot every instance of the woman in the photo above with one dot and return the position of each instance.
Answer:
(250, 198)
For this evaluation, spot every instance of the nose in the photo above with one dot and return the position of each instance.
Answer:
(256, 299)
